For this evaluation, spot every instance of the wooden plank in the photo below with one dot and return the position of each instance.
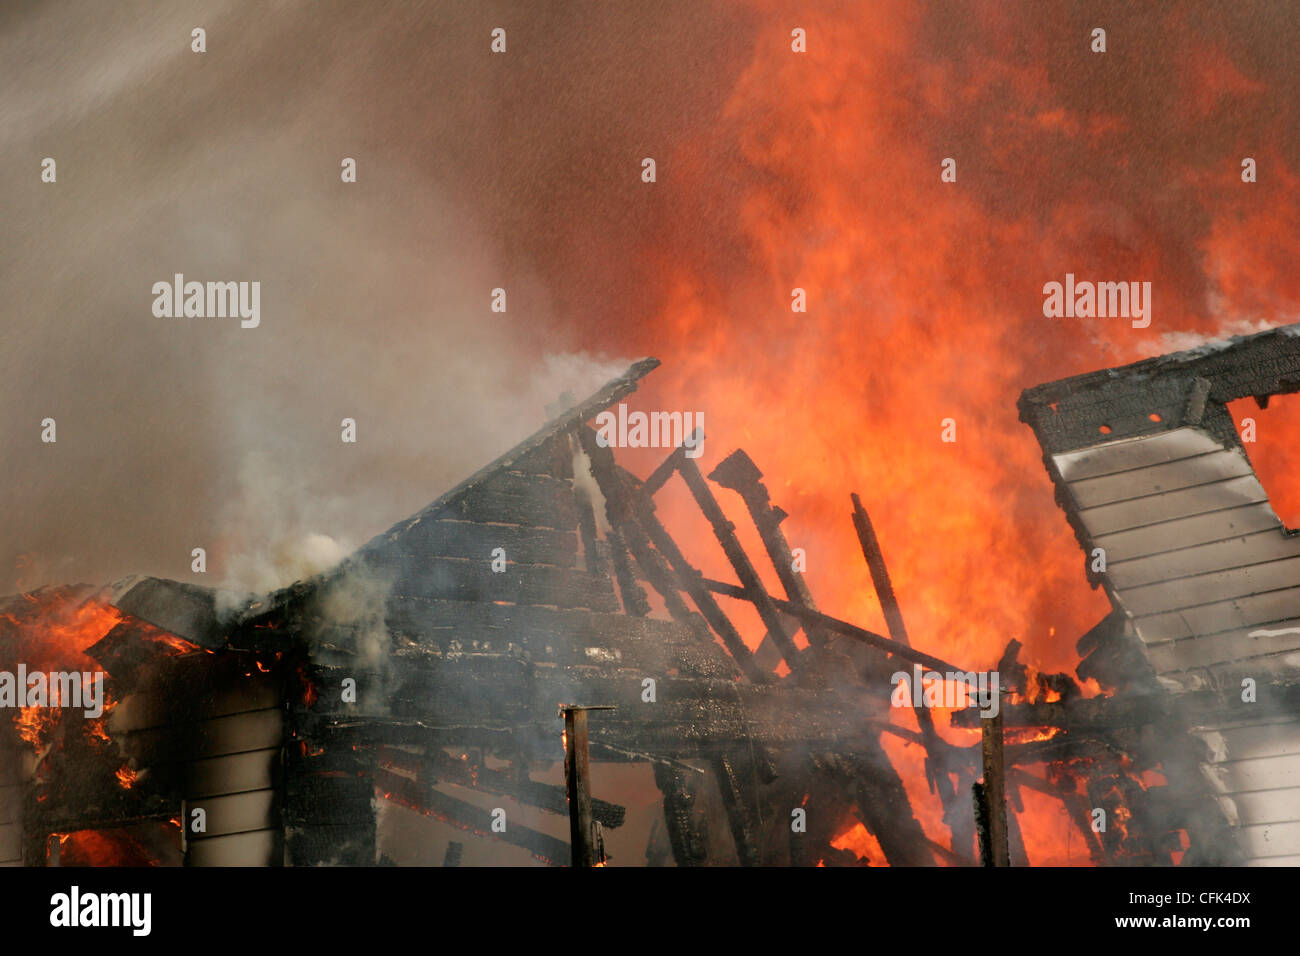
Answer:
(1132, 453)
(1219, 648)
(149, 710)
(258, 848)
(1160, 479)
(1251, 741)
(1256, 773)
(233, 773)
(450, 538)
(509, 497)
(1271, 839)
(1202, 499)
(237, 812)
(566, 636)
(1256, 610)
(1181, 533)
(235, 733)
(475, 581)
(1261, 806)
(1269, 545)
(1209, 588)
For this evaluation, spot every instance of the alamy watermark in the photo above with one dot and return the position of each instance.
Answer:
(626, 429)
(83, 689)
(208, 300)
(952, 689)
(1099, 300)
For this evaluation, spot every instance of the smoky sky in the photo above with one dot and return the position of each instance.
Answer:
(522, 171)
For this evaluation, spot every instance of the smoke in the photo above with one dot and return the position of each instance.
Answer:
(176, 434)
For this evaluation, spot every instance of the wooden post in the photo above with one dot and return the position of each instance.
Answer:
(995, 788)
(587, 847)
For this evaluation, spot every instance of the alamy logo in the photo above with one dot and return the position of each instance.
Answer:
(208, 300)
(74, 908)
(951, 690)
(656, 430)
(53, 689)
(1100, 300)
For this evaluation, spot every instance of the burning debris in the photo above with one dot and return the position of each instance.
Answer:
(424, 672)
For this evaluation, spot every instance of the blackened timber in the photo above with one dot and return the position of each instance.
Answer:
(936, 766)
(739, 473)
(466, 816)
(633, 595)
(454, 538)
(730, 768)
(615, 486)
(571, 637)
(687, 828)
(633, 512)
(476, 581)
(884, 809)
(994, 791)
(584, 832)
(1096, 714)
(725, 532)
(808, 615)
(593, 558)
(549, 797)
(511, 498)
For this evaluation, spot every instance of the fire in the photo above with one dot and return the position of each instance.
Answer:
(126, 777)
(924, 297)
(50, 630)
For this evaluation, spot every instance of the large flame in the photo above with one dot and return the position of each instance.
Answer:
(925, 297)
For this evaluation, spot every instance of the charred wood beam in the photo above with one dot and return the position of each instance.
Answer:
(632, 511)
(885, 810)
(725, 532)
(731, 771)
(465, 816)
(438, 765)
(586, 846)
(936, 764)
(687, 828)
(739, 473)
(1097, 714)
(633, 595)
(818, 619)
(994, 792)
(615, 487)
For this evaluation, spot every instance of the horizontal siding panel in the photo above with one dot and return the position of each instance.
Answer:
(1159, 479)
(1271, 839)
(1253, 740)
(1210, 588)
(1259, 773)
(1239, 552)
(242, 849)
(1262, 806)
(1134, 453)
(254, 730)
(1218, 648)
(235, 813)
(1202, 499)
(1187, 532)
(232, 774)
(1260, 610)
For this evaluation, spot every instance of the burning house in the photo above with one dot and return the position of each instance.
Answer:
(1204, 578)
(428, 670)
